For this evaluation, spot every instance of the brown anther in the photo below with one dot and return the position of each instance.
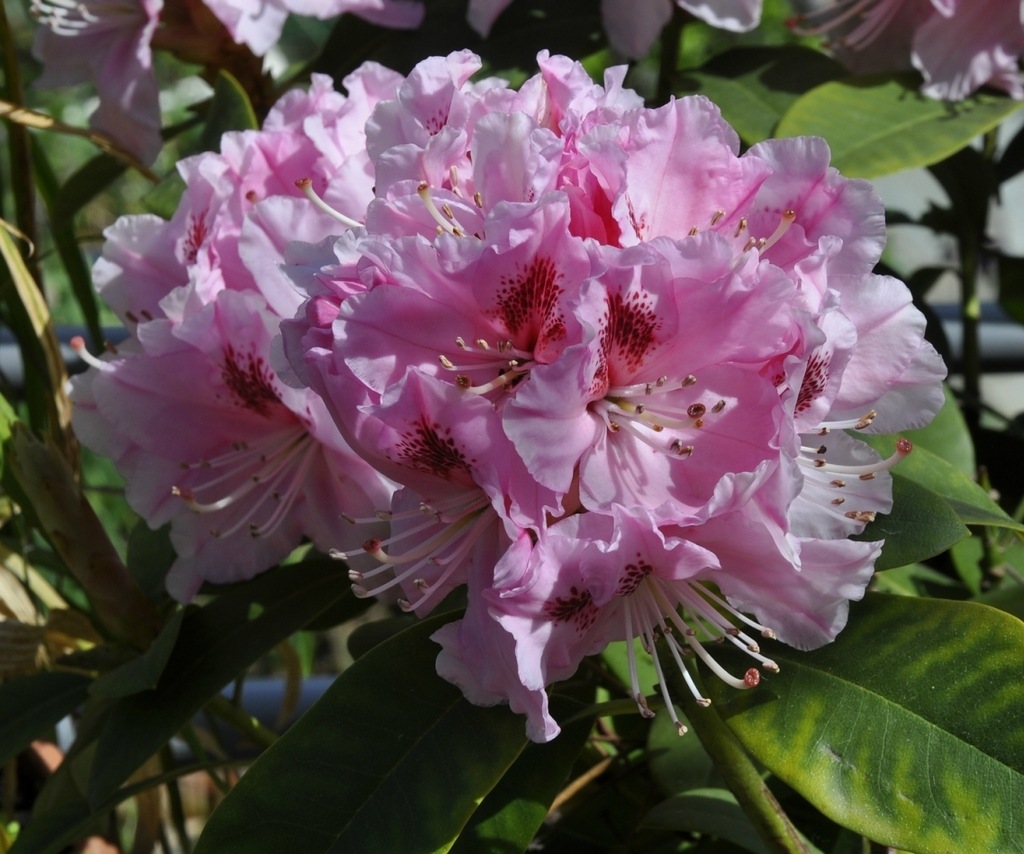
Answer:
(865, 420)
(718, 407)
(696, 410)
(741, 226)
(838, 501)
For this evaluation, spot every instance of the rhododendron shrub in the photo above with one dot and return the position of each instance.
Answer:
(611, 362)
(510, 397)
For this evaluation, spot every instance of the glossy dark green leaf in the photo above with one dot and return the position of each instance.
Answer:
(391, 758)
(514, 810)
(711, 811)
(914, 579)
(142, 673)
(150, 555)
(230, 109)
(678, 763)
(215, 644)
(921, 525)
(30, 705)
(755, 86)
(1009, 599)
(877, 125)
(906, 729)
(1011, 286)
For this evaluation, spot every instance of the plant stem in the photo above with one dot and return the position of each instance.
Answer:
(970, 317)
(744, 780)
(21, 154)
(241, 721)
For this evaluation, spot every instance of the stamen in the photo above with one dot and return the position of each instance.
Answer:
(788, 218)
(450, 225)
(78, 345)
(306, 185)
(865, 472)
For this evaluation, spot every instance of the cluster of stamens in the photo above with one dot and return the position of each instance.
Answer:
(503, 357)
(815, 457)
(63, 17)
(872, 16)
(274, 469)
(652, 611)
(637, 409)
(443, 542)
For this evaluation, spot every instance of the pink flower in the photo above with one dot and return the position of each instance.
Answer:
(193, 409)
(259, 24)
(633, 28)
(208, 439)
(957, 45)
(632, 353)
(108, 44)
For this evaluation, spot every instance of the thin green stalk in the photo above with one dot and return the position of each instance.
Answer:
(19, 145)
(970, 318)
(743, 779)
(243, 722)
(174, 800)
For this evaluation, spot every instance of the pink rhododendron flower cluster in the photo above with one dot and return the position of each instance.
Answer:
(110, 44)
(632, 27)
(192, 408)
(957, 45)
(616, 369)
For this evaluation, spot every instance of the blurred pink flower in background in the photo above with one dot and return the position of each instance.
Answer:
(633, 26)
(111, 43)
(957, 45)
(107, 43)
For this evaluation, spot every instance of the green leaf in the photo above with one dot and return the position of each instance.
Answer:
(230, 109)
(215, 644)
(141, 673)
(30, 705)
(912, 579)
(921, 525)
(905, 729)
(947, 437)
(880, 124)
(391, 758)
(514, 810)
(755, 86)
(678, 764)
(149, 559)
(1009, 599)
(711, 811)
